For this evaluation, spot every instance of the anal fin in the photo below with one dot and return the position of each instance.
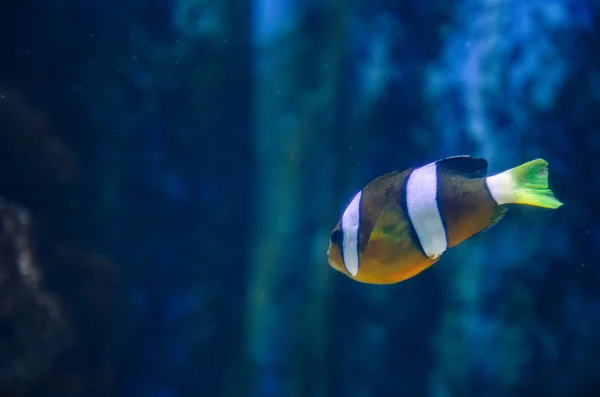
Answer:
(497, 215)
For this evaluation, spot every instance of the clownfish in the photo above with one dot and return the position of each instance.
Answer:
(400, 223)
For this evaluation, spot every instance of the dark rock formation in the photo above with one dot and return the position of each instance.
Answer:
(33, 329)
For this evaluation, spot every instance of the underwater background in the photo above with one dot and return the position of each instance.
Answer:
(170, 172)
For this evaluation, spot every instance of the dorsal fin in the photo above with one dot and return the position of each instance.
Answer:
(465, 165)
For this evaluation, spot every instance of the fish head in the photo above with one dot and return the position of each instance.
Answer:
(334, 251)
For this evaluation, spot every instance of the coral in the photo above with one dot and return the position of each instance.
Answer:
(33, 327)
(27, 138)
(57, 323)
(502, 67)
(58, 302)
(502, 63)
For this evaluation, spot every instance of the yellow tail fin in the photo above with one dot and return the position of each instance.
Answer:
(526, 184)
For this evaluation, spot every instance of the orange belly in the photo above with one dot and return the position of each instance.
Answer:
(386, 261)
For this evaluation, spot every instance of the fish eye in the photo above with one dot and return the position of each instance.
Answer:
(337, 236)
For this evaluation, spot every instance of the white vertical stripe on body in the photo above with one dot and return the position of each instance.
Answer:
(350, 223)
(421, 201)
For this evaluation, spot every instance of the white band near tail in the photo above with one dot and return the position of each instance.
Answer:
(350, 224)
(421, 201)
(501, 186)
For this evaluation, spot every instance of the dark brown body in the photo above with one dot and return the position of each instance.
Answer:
(389, 248)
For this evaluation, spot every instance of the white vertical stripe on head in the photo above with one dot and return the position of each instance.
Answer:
(350, 223)
(421, 201)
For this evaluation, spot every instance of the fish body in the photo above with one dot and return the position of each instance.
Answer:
(401, 223)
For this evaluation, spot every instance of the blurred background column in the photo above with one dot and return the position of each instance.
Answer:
(300, 52)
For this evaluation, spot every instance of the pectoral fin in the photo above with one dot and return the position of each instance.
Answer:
(390, 226)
